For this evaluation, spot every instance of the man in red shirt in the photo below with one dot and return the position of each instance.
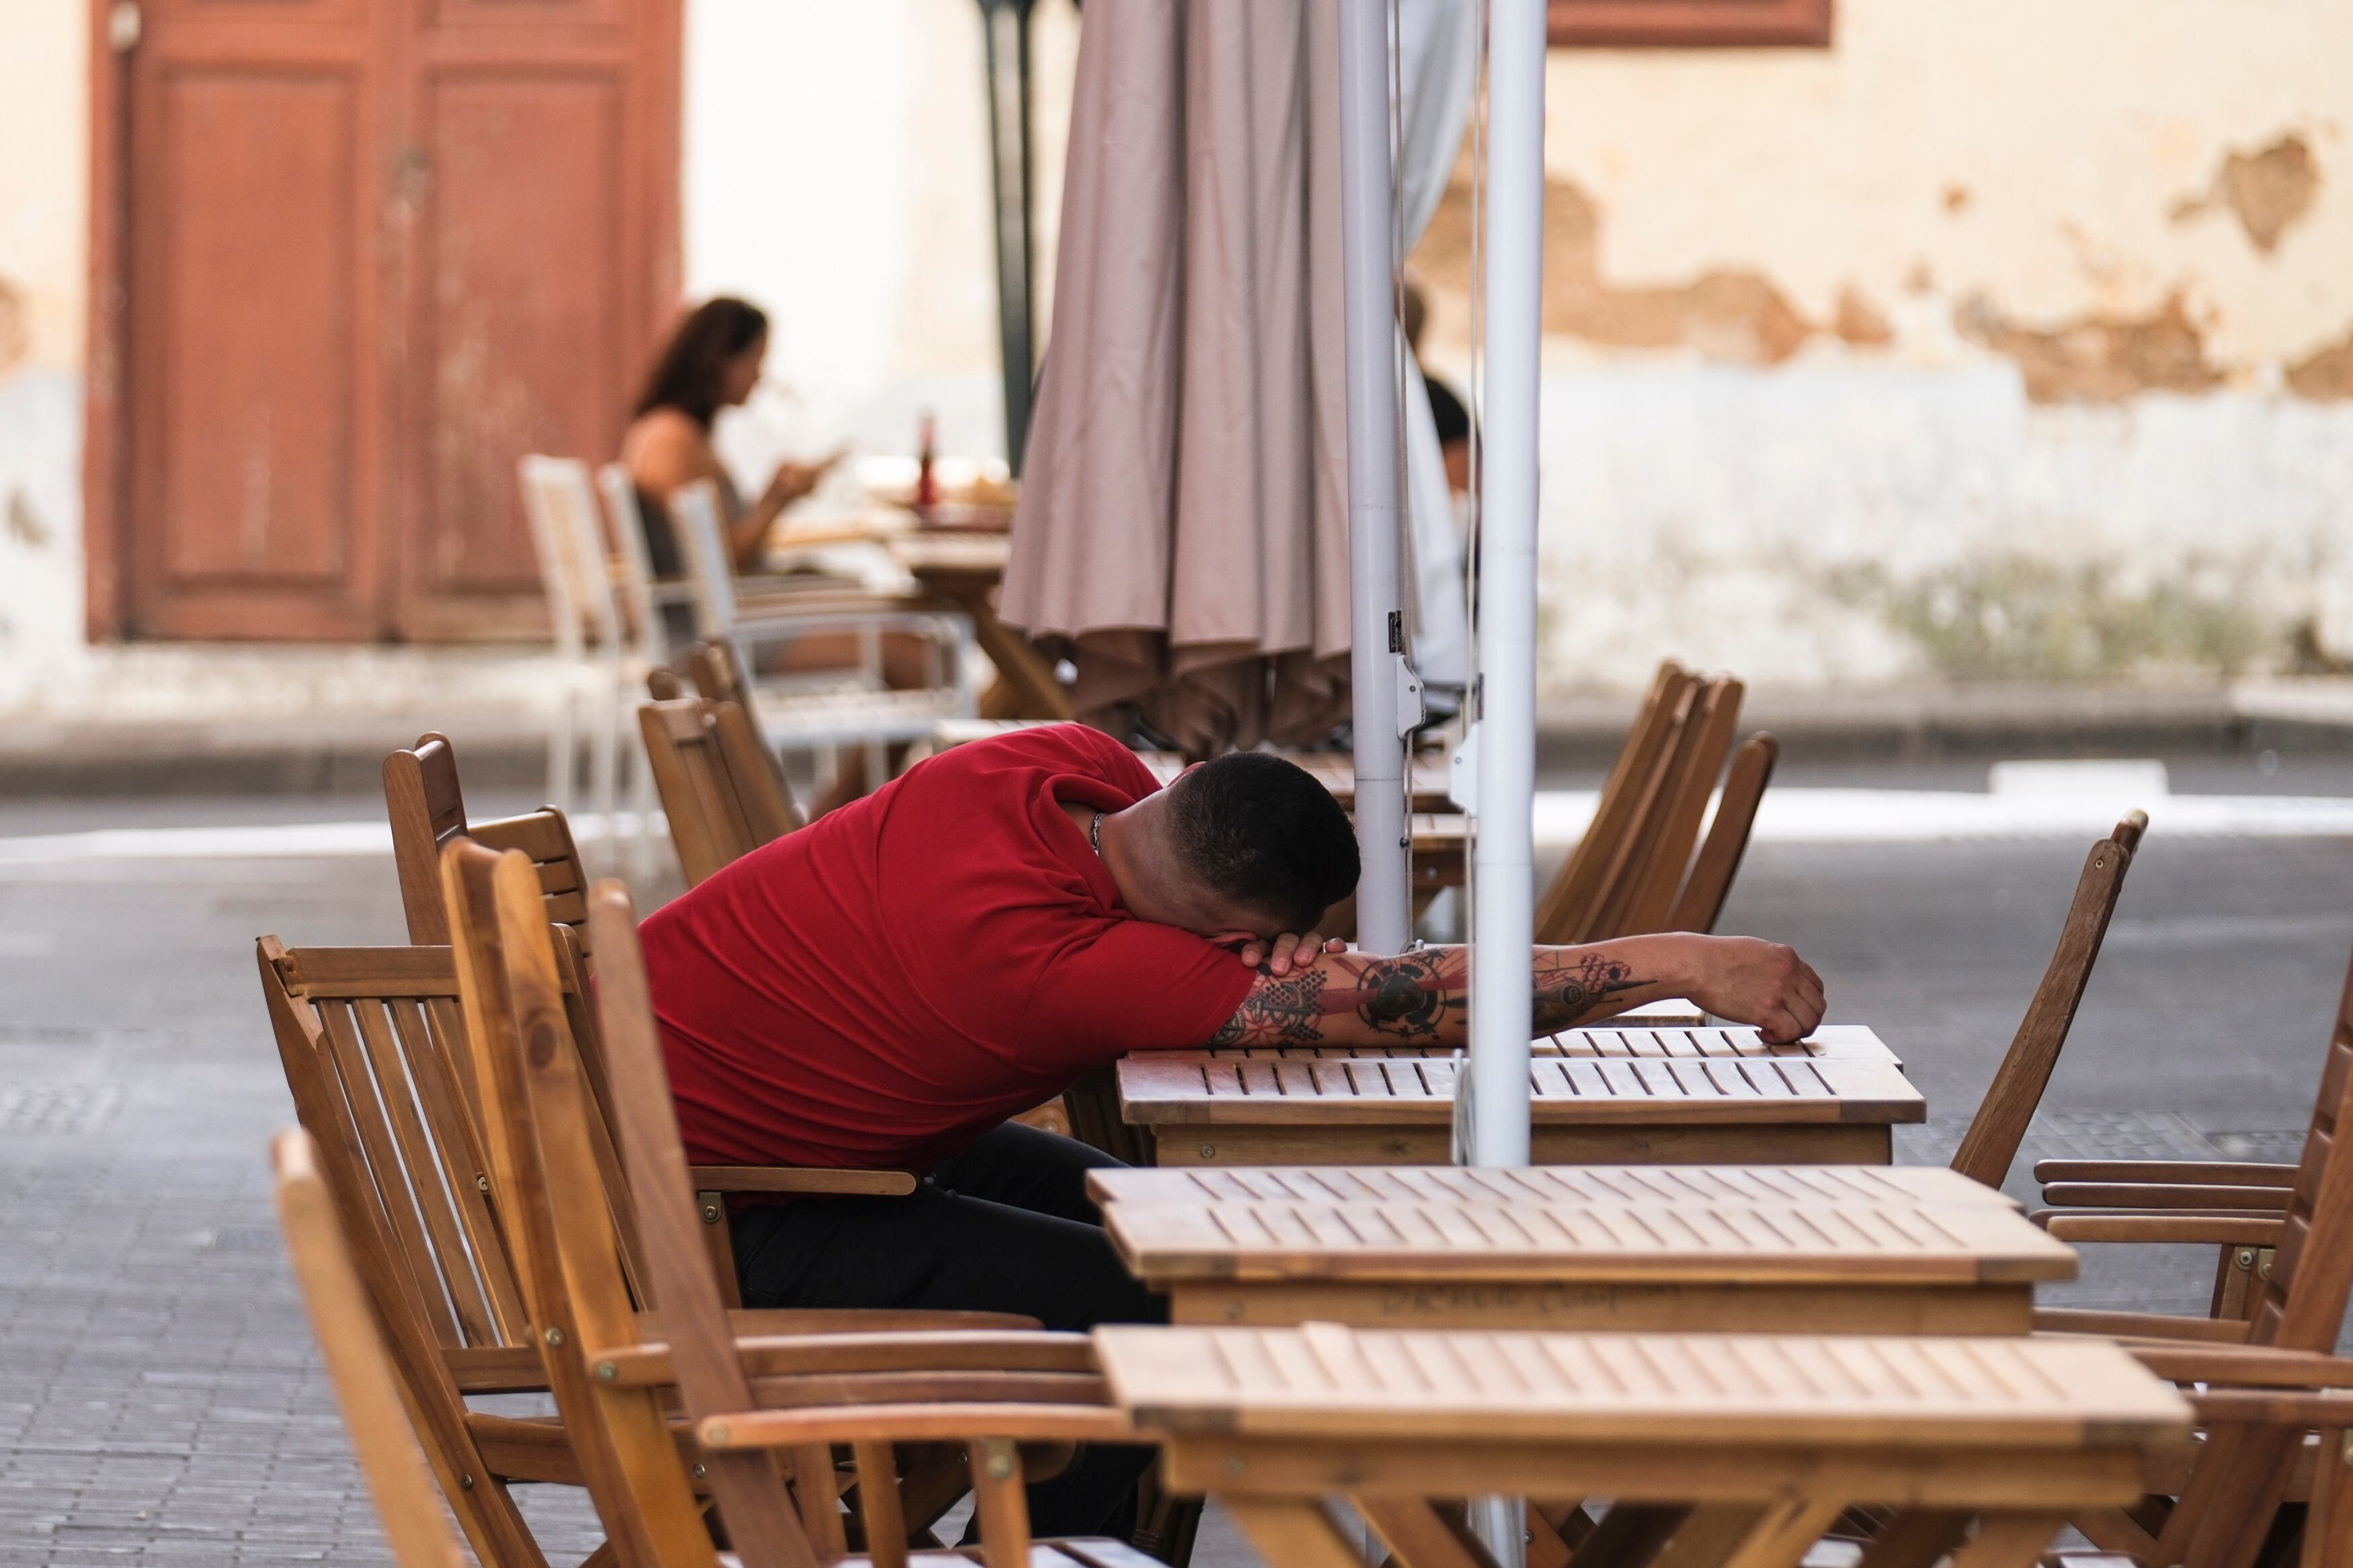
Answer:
(883, 988)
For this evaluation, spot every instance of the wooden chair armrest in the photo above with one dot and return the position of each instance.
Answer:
(799, 1179)
(2139, 1325)
(987, 1352)
(2190, 1172)
(2255, 1366)
(772, 1323)
(2225, 1227)
(2272, 1408)
(2162, 1196)
(915, 1423)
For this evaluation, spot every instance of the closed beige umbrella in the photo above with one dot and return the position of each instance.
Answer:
(1183, 533)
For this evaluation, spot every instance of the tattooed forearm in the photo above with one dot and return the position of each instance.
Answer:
(1569, 986)
(1417, 998)
(1286, 1012)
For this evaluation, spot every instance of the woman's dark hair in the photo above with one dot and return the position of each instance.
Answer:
(687, 375)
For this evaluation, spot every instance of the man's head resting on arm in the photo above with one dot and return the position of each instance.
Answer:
(1246, 845)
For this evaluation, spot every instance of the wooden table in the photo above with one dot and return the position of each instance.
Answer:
(962, 572)
(1767, 1439)
(1818, 1109)
(1771, 1250)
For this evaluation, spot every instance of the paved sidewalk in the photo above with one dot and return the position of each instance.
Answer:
(159, 1396)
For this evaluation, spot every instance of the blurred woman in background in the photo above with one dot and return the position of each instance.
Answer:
(713, 361)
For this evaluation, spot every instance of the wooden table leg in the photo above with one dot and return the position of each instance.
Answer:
(1416, 1535)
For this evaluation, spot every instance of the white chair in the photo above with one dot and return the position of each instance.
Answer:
(603, 664)
(645, 597)
(823, 710)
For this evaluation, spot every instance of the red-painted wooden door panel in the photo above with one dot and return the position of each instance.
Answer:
(540, 271)
(252, 303)
(378, 249)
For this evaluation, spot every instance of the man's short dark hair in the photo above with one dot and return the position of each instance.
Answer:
(1261, 832)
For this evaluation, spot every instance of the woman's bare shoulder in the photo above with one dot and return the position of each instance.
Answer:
(664, 448)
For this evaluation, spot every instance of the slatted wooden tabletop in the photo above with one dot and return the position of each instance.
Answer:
(1685, 1041)
(1848, 1264)
(1390, 1111)
(1742, 1448)
(1783, 1184)
(1782, 1390)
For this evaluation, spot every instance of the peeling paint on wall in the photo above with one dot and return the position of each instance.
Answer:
(15, 326)
(2326, 374)
(1737, 315)
(2098, 359)
(2267, 190)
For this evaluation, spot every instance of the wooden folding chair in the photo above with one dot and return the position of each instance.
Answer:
(1700, 902)
(1999, 1125)
(764, 1411)
(359, 1364)
(723, 793)
(2285, 1271)
(427, 808)
(1633, 871)
(377, 1055)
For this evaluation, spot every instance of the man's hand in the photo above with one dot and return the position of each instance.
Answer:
(1758, 983)
(1288, 952)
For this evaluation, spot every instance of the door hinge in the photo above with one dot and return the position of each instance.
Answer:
(123, 24)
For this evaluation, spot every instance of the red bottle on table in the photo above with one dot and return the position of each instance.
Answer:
(928, 487)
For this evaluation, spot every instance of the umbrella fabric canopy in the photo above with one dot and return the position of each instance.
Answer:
(1183, 533)
(1183, 526)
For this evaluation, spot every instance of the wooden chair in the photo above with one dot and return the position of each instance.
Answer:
(2285, 1273)
(721, 789)
(377, 1055)
(1634, 871)
(1697, 906)
(427, 808)
(358, 1363)
(764, 1411)
(1999, 1125)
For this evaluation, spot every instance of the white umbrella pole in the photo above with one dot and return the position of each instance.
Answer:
(1384, 907)
(1504, 907)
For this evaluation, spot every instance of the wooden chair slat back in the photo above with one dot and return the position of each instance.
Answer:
(427, 808)
(1567, 901)
(358, 1364)
(710, 823)
(2301, 1305)
(712, 1379)
(372, 1076)
(766, 796)
(717, 673)
(1701, 903)
(1666, 853)
(1999, 1125)
(1649, 793)
(485, 1511)
(515, 1036)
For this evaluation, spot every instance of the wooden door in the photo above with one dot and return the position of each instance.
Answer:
(370, 252)
(541, 267)
(253, 307)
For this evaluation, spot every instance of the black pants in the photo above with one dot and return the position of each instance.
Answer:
(1005, 1227)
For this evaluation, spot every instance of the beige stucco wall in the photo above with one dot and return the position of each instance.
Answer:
(44, 163)
(44, 195)
(2005, 339)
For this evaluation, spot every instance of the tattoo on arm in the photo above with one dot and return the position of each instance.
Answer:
(1417, 998)
(1569, 987)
